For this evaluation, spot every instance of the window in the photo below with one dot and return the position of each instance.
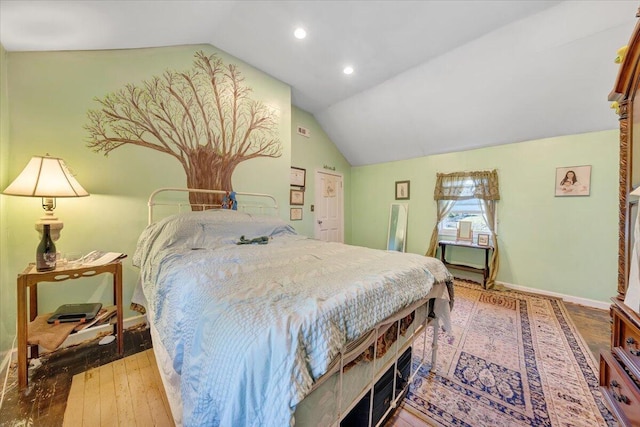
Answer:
(467, 208)
(471, 196)
(464, 210)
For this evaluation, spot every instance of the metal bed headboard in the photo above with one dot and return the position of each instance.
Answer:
(269, 205)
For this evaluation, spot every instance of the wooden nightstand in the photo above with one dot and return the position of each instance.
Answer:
(30, 278)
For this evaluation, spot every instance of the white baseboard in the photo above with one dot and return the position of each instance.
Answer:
(568, 298)
(82, 336)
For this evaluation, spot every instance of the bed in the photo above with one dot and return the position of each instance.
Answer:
(255, 325)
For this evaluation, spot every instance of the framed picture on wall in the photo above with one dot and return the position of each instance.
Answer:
(573, 181)
(295, 214)
(402, 190)
(296, 197)
(297, 177)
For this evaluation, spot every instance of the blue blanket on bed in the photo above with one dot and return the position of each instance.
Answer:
(250, 327)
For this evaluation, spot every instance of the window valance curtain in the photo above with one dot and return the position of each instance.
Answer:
(482, 185)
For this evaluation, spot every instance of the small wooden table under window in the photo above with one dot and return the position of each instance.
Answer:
(484, 270)
(30, 278)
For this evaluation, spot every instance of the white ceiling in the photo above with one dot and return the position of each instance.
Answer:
(430, 76)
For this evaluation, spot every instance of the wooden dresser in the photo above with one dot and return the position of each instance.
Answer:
(620, 368)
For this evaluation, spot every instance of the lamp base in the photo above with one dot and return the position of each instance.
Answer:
(55, 226)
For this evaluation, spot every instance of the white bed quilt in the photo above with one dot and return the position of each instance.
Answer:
(250, 327)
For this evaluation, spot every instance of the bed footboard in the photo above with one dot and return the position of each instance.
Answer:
(333, 400)
(373, 409)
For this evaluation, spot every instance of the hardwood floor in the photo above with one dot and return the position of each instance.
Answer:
(47, 397)
(126, 392)
(594, 325)
(44, 401)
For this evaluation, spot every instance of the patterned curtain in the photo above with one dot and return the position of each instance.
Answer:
(444, 207)
(489, 213)
(454, 186)
(467, 185)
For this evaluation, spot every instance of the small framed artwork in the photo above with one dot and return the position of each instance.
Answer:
(297, 177)
(402, 190)
(483, 240)
(573, 181)
(464, 232)
(296, 197)
(295, 214)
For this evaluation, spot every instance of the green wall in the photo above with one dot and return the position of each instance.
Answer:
(563, 245)
(312, 153)
(566, 245)
(7, 301)
(50, 94)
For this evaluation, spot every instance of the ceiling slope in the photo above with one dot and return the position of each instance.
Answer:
(546, 75)
(430, 76)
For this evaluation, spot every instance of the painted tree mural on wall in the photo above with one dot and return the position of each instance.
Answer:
(203, 117)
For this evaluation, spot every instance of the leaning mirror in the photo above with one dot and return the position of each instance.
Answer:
(397, 237)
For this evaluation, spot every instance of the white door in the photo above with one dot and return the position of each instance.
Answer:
(329, 208)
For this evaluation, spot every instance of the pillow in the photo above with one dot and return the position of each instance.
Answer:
(229, 230)
(206, 229)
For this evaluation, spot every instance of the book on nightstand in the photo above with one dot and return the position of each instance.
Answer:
(75, 313)
(103, 317)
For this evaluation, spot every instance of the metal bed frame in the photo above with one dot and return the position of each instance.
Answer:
(352, 350)
(348, 354)
(244, 207)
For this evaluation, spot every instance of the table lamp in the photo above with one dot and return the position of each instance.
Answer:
(46, 177)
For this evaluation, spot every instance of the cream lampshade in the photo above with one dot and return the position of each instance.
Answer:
(46, 177)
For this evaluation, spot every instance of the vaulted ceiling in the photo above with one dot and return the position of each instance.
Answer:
(429, 76)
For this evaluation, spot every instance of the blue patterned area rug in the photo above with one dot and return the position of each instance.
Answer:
(512, 359)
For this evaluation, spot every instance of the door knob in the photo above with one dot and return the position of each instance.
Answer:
(319, 222)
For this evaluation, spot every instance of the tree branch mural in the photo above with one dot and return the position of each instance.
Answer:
(203, 117)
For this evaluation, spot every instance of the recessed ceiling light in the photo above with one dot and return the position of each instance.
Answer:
(348, 70)
(300, 33)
